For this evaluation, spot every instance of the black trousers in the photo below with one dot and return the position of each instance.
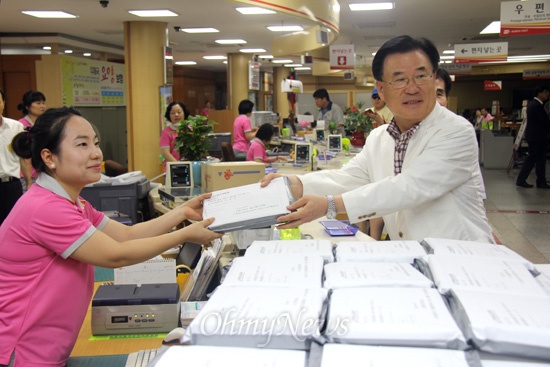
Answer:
(10, 192)
(536, 158)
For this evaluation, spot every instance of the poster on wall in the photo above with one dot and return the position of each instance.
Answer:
(254, 75)
(165, 99)
(92, 83)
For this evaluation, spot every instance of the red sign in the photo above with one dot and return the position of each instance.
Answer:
(492, 85)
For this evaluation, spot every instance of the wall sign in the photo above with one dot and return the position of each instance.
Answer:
(492, 85)
(481, 52)
(521, 18)
(342, 57)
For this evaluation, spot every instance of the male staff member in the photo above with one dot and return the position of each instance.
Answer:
(536, 134)
(442, 86)
(420, 172)
(328, 110)
(380, 113)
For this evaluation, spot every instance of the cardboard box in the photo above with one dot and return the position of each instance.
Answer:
(224, 175)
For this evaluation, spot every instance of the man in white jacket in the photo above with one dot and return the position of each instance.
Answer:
(420, 172)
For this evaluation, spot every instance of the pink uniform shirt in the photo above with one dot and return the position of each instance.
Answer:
(256, 150)
(44, 294)
(240, 127)
(168, 139)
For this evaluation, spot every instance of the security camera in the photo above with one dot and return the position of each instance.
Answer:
(177, 29)
(104, 3)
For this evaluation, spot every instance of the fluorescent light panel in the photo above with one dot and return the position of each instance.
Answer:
(285, 28)
(371, 6)
(252, 50)
(153, 13)
(303, 68)
(449, 51)
(266, 56)
(446, 57)
(494, 27)
(199, 30)
(231, 42)
(49, 14)
(281, 61)
(186, 63)
(293, 65)
(87, 54)
(254, 10)
(215, 57)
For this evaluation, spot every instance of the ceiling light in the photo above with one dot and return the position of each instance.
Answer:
(446, 57)
(68, 51)
(252, 50)
(303, 68)
(47, 47)
(87, 54)
(49, 14)
(225, 62)
(153, 13)
(293, 65)
(449, 51)
(230, 41)
(285, 28)
(266, 56)
(371, 6)
(217, 57)
(199, 30)
(494, 27)
(186, 63)
(281, 61)
(252, 10)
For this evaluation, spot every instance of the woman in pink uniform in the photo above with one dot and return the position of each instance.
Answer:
(52, 238)
(175, 112)
(243, 133)
(32, 106)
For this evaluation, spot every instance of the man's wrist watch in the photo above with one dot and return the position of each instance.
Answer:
(331, 212)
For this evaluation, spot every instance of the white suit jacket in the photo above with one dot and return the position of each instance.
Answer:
(437, 194)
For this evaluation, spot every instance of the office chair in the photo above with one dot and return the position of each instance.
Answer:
(227, 152)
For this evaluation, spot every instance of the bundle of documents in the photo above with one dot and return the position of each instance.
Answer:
(441, 246)
(304, 271)
(507, 324)
(373, 274)
(207, 356)
(391, 251)
(154, 271)
(322, 248)
(260, 317)
(414, 317)
(197, 283)
(481, 273)
(248, 206)
(365, 355)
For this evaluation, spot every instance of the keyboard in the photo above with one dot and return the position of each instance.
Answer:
(141, 358)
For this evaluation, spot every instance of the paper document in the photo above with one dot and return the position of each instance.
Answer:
(365, 355)
(276, 271)
(292, 247)
(260, 317)
(392, 251)
(480, 273)
(413, 317)
(504, 323)
(248, 206)
(373, 274)
(148, 272)
(207, 356)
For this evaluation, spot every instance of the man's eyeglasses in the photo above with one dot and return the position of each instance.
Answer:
(375, 96)
(420, 79)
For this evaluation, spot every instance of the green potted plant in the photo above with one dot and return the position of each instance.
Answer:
(357, 123)
(193, 138)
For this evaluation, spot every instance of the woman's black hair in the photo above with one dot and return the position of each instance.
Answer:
(265, 132)
(46, 133)
(28, 99)
(245, 106)
(186, 112)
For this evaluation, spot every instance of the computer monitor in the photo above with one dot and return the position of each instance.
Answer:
(334, 142)
(320, 135)
(302, 153)
(179, 174)
(276, 131)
